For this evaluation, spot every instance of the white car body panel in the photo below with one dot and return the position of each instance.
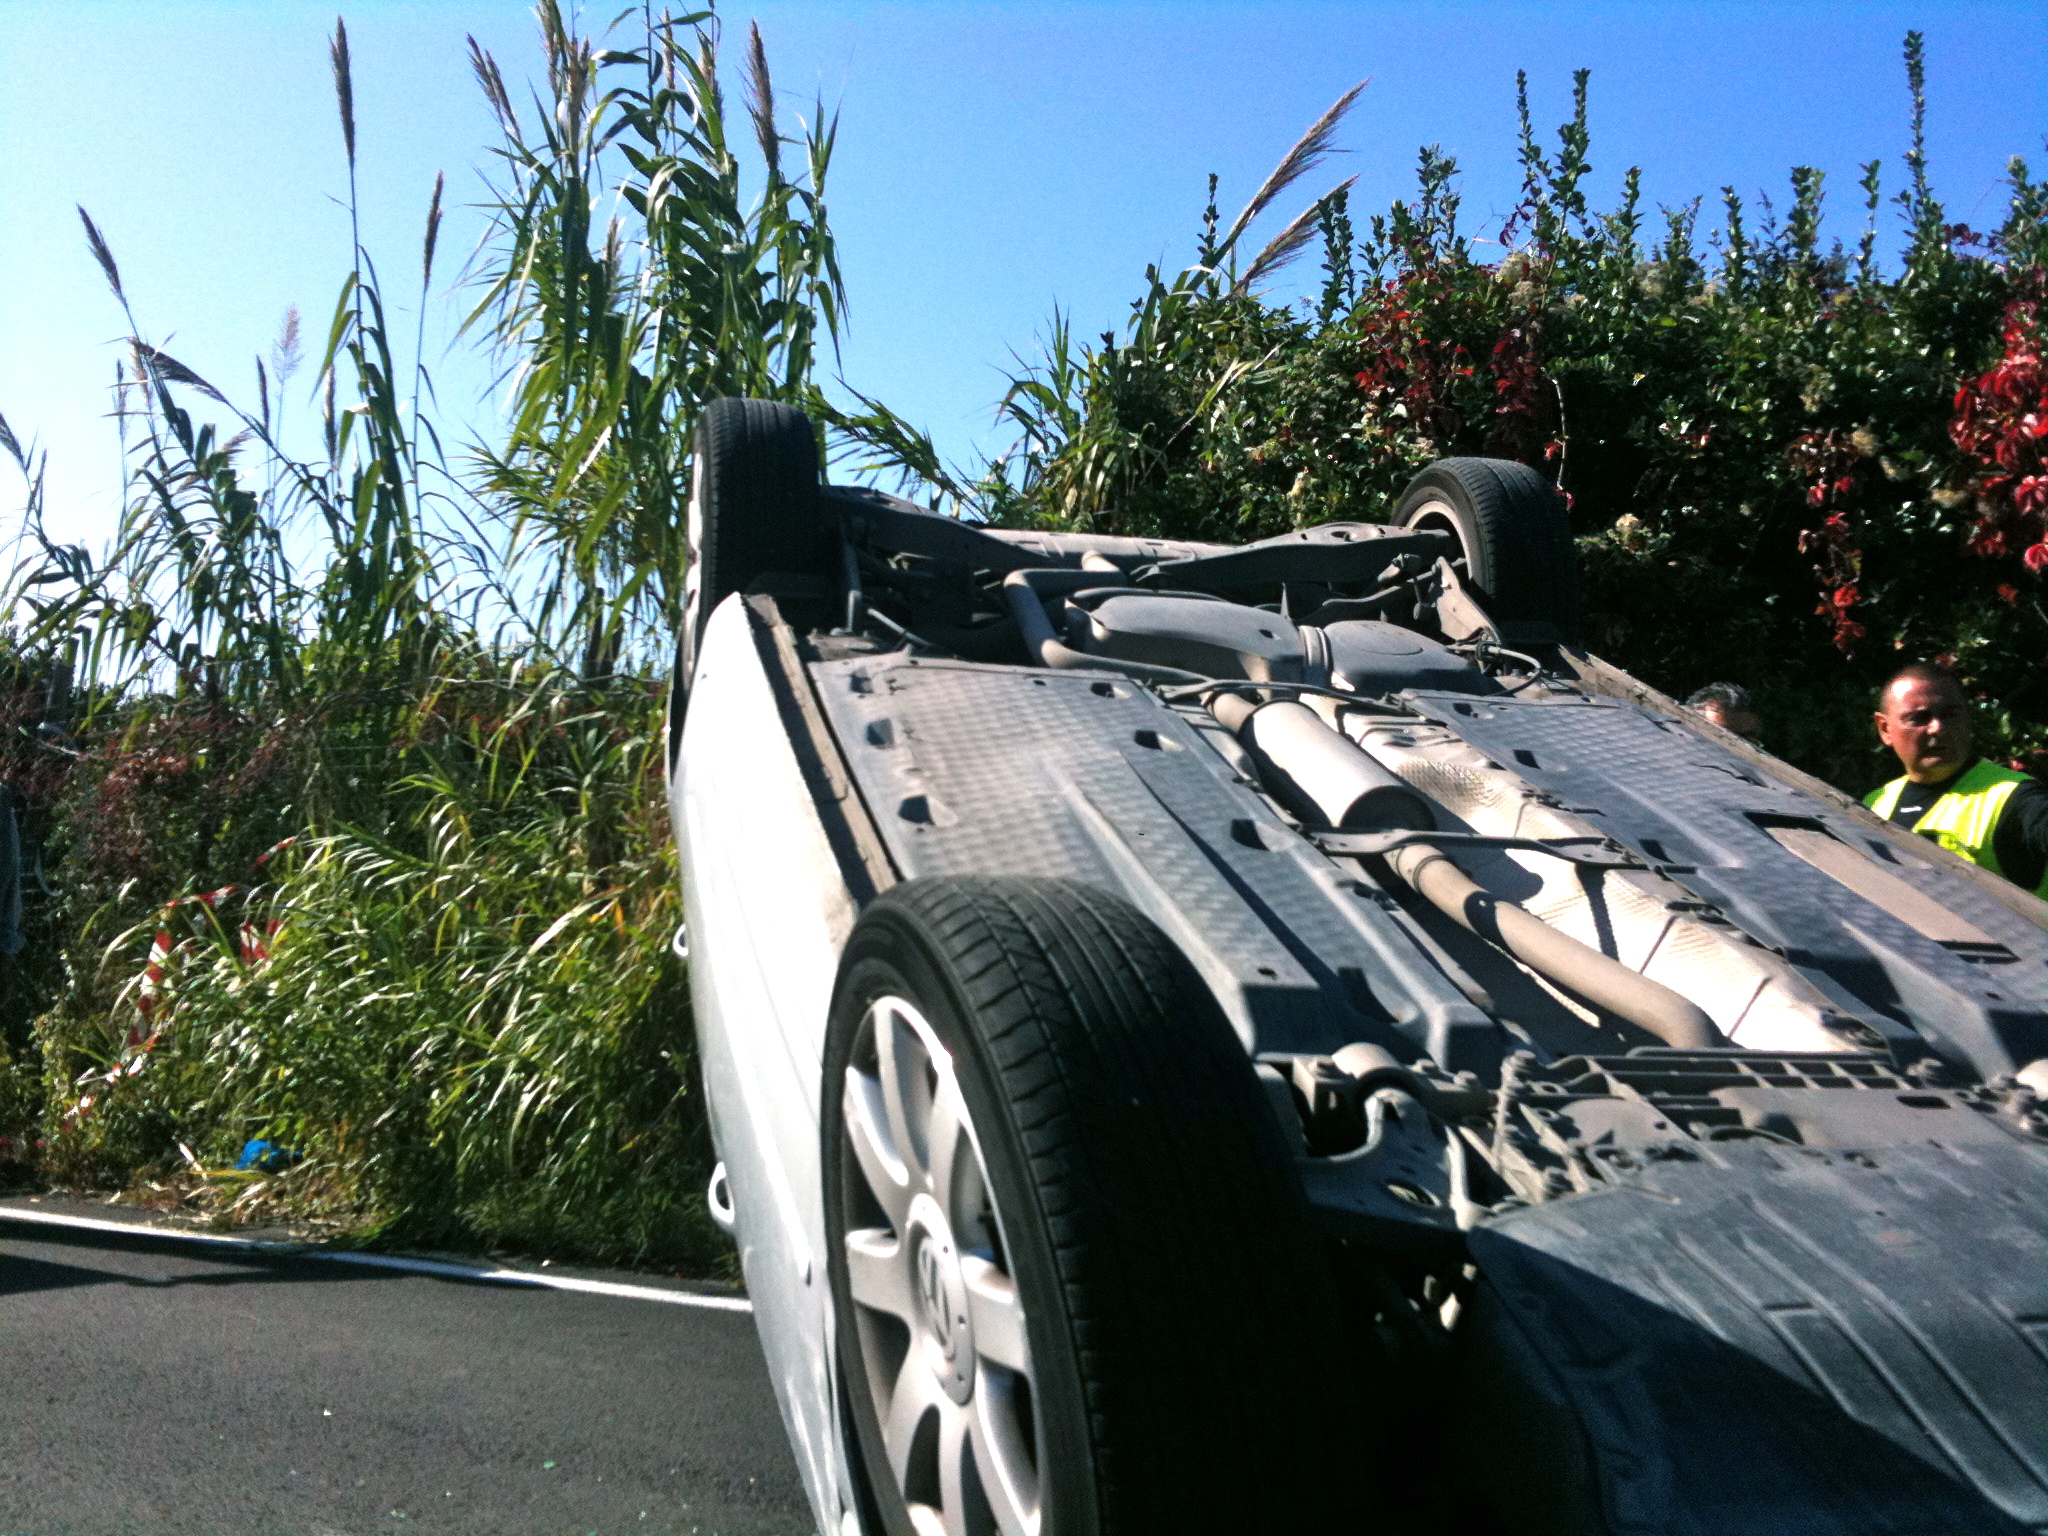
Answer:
(761, 994)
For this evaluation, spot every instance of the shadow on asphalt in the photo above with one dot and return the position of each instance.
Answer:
(20, 1275)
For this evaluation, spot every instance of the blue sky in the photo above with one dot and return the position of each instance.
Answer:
(994, 159)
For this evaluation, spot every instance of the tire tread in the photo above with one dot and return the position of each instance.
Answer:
(761, 492)
(1523, 531)
(1196, 1298)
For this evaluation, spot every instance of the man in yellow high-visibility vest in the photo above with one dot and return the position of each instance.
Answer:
(1990, 815)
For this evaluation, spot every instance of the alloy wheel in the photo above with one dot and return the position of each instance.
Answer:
(938, 1321)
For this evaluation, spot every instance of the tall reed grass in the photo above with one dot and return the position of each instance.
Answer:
(354, 814)
(466, 1027)
(632, 274)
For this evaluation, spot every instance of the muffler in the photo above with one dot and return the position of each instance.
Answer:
(1322, 777)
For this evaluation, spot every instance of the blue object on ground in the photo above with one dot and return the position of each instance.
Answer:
(265, 1157)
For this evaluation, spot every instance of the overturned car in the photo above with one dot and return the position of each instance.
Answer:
(1277, 1038)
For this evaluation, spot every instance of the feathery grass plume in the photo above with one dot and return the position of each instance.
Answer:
(286, 353)
(163, 366)
(1314, 148)
(330, 413)
(344, 89)
(101, 254)
(421, 380)
(761, 101)
(124, 409)
(285, 357)
(492, 82)
(615, 333)
(1291, 241)
(13, 445)
(433, 230)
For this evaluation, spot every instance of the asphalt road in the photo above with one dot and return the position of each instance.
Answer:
(148, 1388)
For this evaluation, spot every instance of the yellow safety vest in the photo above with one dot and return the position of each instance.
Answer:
(1965, 818)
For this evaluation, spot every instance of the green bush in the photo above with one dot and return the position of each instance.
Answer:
(466, 1030)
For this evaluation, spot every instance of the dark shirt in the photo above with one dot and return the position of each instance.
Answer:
(2021, 837)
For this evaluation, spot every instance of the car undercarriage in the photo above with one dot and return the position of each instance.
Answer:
(1672, 1130)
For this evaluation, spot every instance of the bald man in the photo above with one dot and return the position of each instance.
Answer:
(1990, 815)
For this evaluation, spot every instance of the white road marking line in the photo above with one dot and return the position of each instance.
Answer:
(709, 1302)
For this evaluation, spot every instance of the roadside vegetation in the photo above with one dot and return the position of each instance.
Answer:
(338, 772)
(345, 766)
(1793, 463)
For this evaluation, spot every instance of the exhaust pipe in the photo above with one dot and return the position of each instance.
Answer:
(1599, 978)
(1326, 778)
(1026, 591)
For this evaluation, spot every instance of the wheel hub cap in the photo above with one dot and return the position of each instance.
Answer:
(936, 1315)
(948, 1335)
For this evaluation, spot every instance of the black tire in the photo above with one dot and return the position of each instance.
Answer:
(754, 509)
(1185, 1367)
(1515, 535)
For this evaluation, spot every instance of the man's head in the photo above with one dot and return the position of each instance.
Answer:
(1923, 716)
(1728, 706)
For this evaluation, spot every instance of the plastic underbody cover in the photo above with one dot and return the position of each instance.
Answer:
(1215, 639)
(985, 770)
(1770, 1339)
(1374, 656)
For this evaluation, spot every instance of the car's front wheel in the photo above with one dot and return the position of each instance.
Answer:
(1074, 1283)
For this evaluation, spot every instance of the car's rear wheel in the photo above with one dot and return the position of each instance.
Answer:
(1514, 536)
(754, 508)
(1073, 1279)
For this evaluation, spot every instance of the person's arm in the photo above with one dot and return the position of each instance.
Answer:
(2021, 838)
